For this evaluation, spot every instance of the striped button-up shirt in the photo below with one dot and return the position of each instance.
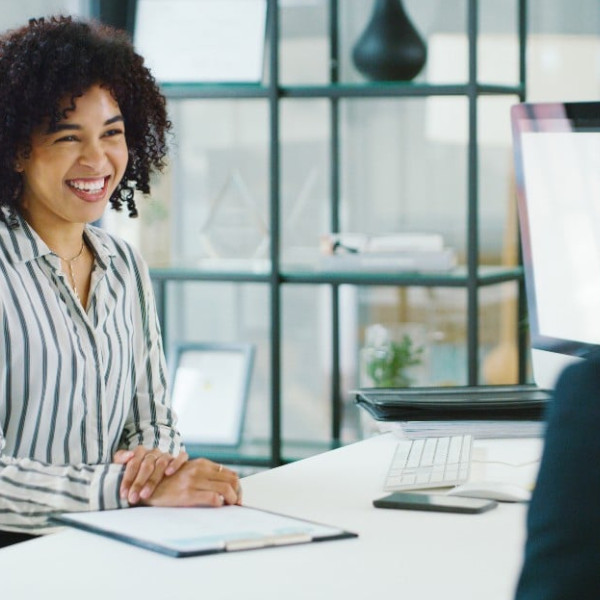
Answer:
(75, 384)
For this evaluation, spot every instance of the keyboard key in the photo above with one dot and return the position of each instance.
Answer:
(415, 453)
(454, 452)
(430, 462)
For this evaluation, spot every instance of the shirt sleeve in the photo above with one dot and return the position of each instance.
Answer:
(32, 491)
(151, 421)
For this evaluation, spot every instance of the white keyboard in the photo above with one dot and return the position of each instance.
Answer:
(430, 462)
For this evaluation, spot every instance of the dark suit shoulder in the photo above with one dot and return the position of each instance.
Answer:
(578, 385)
(562, 552)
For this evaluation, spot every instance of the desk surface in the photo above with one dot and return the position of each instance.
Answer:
(405, 553)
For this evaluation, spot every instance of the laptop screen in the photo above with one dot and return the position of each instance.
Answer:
(557, 161)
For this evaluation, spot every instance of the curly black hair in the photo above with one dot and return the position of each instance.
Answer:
(49, 60)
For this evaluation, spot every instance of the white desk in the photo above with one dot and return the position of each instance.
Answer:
(399, 554)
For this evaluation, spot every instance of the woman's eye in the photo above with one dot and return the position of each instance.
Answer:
(67, 138)
(113, 132)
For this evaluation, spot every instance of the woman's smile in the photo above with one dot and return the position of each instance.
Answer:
(89, 189)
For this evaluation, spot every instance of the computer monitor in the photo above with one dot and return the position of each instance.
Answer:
(557, 167)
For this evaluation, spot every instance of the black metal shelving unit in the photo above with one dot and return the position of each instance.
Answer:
(471, 277)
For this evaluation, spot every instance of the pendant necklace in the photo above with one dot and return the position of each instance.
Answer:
(70, 262)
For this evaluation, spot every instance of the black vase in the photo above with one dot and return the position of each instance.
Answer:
(390, 48)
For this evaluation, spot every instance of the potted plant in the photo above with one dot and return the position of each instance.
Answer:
(387, 361)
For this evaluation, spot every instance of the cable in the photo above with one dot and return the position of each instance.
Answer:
(499, 462)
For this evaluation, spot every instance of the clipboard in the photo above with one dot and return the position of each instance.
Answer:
(184, 532)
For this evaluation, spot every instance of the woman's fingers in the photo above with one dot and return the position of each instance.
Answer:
(198, 482)
(147, 487)
(144, 470)
(122, 456)
(176, 463)
(165, 466)
(132, 466)
(140, 471)
(225, 481)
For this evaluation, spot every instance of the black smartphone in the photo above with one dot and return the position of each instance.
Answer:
(434, 502)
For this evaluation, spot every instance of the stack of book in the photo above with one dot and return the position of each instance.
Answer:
(482, 411)
(418, 252)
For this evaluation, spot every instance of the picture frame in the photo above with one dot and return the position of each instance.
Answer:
(210, 385)
(202, 41)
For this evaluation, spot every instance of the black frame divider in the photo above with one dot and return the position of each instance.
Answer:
(471, 278)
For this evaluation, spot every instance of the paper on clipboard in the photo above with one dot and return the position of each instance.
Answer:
(182, 532)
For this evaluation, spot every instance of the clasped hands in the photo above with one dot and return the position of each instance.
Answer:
(155, 478)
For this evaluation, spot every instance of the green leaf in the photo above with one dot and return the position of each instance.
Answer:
(388, 365)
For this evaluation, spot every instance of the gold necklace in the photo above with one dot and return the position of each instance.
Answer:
(70, 262)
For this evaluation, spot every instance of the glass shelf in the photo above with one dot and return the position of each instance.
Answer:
(339, 90)
(186, 91)
(458, 277)
(252, 270)
(393, 89)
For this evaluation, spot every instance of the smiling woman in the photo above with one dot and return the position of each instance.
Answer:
(85, 417)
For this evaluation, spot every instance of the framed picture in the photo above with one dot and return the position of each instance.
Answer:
(210, 385)
(195, 41)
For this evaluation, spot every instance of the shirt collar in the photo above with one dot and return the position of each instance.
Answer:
(96, 239)
(23, 244)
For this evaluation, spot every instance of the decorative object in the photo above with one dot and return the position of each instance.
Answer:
(390, 48)
(234, 227)
(387, 361)
(210, 41)
(211, 383)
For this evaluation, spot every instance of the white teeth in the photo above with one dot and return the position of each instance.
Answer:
(88, 186)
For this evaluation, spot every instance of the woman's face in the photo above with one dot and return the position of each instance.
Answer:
(72, 171)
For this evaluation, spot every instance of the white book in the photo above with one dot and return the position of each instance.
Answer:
(394, 242)
(406, 261)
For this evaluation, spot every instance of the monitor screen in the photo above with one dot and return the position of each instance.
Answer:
(557, 165)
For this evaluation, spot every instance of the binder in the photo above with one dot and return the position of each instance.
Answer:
(457, 403)
(183, 532)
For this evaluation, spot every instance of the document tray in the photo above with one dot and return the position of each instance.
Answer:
(490, 403)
